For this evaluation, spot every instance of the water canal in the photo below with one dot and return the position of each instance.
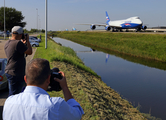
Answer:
(141, 82)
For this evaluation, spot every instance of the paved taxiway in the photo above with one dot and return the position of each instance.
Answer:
(148, 31)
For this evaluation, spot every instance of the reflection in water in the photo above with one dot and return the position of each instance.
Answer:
(107, 56)
(142, 61)
(92, 49)
(137, 83)
(86, 51)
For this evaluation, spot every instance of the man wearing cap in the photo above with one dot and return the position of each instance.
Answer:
(15, 50)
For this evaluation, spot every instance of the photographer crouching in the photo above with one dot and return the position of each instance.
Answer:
(15, 49)
(35, 103)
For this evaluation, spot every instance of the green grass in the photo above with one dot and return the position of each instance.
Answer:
(2, 38)
(97, 99)
(149, 46)
(56, 52)
(65, 55)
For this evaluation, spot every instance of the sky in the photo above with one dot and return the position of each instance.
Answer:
(66, 14)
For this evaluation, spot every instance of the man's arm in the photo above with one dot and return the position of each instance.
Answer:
(67, 93)
(29, 50)
(71, 109)
(63, 84)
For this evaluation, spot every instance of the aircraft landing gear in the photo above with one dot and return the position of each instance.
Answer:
(127, 30)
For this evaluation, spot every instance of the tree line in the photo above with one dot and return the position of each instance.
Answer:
(13, 17)
(33, 31)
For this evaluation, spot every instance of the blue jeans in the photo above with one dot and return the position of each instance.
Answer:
(16, 84)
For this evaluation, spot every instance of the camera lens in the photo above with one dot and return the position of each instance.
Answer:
(23, 37)
(54, 85)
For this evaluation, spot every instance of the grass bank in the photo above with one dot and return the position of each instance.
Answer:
(56, 52)
(2, 38)
(98, 100)
(149, 46)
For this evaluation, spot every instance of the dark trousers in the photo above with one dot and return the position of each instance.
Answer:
(16, 84)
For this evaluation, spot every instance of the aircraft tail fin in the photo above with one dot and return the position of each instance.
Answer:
(107, 17)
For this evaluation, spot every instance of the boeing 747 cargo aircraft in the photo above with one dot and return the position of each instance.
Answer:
(118, 25)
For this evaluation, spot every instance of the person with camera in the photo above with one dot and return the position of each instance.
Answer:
(15, 49)
(35, 103)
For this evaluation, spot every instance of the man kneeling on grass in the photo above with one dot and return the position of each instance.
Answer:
(35, 103)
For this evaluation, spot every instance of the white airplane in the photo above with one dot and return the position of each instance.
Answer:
(130, 23)
(73, 29)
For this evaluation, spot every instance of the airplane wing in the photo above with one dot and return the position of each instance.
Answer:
(94, 24)
(104, 25)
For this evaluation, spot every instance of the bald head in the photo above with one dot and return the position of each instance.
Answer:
(37, 71)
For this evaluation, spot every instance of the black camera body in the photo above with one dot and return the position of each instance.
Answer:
(24, 35)
(54, 85)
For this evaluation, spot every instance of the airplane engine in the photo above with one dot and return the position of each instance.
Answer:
(144, 27)
(93, 27)
(108, 28)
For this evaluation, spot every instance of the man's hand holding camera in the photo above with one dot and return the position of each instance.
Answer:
(63, 84)
(62, 81)
(25, 40)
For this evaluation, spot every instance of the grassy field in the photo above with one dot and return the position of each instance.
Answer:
(98, 100)
(56, 52)
(149, 46)
(2, 38)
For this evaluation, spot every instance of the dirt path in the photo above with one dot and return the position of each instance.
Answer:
(2, 52)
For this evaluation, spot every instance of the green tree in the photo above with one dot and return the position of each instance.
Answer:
(42, 30)
(12, 18)
(33, 30)
(26, 31)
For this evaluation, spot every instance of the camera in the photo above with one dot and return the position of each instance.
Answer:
(24, 35)
(54, 85)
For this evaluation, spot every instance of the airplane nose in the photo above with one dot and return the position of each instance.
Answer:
(141, 22)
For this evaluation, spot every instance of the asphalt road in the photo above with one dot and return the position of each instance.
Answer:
(4, 93)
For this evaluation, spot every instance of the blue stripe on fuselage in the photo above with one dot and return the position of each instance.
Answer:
(130, 25)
